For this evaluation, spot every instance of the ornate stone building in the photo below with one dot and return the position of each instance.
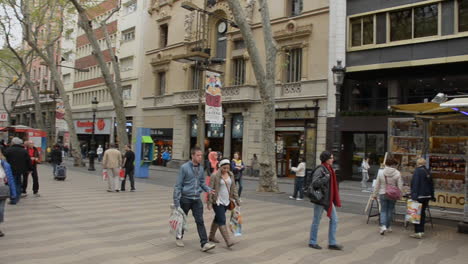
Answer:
(169, 95)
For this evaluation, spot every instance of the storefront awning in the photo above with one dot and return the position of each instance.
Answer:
(457, 102)
(147, 139)
(421, 108)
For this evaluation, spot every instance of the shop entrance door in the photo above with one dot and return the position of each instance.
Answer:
(371, 145)
(292, 160)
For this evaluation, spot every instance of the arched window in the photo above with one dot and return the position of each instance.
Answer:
(221, 40)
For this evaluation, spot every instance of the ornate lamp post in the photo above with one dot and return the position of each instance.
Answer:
(92, 152)
(338, 78)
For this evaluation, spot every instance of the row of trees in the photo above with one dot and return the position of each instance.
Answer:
(43, 23)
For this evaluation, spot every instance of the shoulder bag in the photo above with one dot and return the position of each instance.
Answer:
(392, 192)
(4, 192)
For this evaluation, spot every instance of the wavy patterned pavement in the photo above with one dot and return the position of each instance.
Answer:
(78, 222)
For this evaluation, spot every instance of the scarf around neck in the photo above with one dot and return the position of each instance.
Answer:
(334, 192)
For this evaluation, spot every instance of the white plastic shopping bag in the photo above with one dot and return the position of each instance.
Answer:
(177, 222)
(235, 223)
(413, 212)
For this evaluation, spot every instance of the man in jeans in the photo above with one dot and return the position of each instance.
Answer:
(189, 185)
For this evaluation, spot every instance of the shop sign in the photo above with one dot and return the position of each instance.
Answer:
(295, 114)
(102, 126)
(449, 200)
(3, 117)
(213, 108)
(162, 132)
(215, 131)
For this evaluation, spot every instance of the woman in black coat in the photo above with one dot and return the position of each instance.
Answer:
(56, 157)
(422, 190)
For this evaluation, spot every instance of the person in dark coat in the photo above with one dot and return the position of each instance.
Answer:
(56, 157)
(422, 190)
(324, 178)
(20, 163)
(6, 177)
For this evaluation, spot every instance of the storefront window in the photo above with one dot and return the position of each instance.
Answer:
(370, 145)
(462, 15)
(362, 31)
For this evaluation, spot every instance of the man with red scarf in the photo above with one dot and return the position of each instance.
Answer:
(324, 179)
(35, 157)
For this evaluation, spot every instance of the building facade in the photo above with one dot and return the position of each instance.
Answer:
(125, 29)
(169, 95)
(397, 52)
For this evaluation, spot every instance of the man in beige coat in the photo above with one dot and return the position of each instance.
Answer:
(111, 162)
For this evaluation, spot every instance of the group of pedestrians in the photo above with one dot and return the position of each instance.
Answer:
(113, 162)
(221, 189)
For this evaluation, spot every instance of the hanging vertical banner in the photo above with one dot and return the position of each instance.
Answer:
(213, 108)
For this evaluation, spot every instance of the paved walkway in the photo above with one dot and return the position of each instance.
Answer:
(78, 222)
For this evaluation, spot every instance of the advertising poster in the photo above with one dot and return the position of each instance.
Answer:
(213, 108)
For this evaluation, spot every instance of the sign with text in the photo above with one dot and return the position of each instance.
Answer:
(213, 108)
(101, 126)
(449, 200)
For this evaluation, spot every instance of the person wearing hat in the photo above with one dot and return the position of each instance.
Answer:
(20, 163)
(224, 184)
(324, 179)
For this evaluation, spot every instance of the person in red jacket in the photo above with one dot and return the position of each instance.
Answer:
(34, 154)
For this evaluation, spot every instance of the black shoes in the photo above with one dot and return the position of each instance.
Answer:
(316, 246)
(1, 234)
(335, 247)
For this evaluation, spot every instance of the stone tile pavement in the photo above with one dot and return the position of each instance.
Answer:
(77, 222)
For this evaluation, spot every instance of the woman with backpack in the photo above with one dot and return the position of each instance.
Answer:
(422, 190)
(389, 186)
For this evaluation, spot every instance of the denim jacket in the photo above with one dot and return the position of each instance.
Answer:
(188, 185)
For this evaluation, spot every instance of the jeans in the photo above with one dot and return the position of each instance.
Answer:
(128, 172)
(197, 211)
(2, 210)
(35, 177)
(387, 207)
(299, 187)
(220, 214)
(18, 188)
(239, 186)
(365, 178)
(419, 228)
(318, 210)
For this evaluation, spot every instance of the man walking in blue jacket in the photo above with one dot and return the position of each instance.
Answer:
(189, 185)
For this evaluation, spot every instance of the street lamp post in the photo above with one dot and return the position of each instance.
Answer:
(338, 78)
(92, 152)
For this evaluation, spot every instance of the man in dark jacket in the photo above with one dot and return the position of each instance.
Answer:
(35, 157)
(20, 163)
(56, 157)
(129, 159)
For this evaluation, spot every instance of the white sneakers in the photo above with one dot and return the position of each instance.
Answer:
(179, 243)
(297, 199)
(417, 235)
(383, 229)
(208, 246)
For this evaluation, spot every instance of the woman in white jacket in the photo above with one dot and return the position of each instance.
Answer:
(389, 176)
(299, 181)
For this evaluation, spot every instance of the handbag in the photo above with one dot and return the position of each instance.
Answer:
(231, 205)
(4, 192)
(392, 192)
(413, 212)
(315, 195)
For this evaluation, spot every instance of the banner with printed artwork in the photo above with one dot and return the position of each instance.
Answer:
(213, 108)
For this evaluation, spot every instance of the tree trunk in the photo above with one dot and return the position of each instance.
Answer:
(75, 145)
(265, 77)
(115, 89)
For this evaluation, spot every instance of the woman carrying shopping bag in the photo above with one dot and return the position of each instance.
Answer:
(224, 197)
(422, 190)
(387, 184)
